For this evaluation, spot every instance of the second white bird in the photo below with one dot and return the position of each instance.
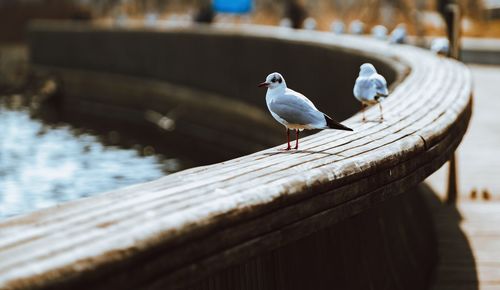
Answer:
(370, 88)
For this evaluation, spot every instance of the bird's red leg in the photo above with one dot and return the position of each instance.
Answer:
(288, 139)
(297, 139)
(363, 111)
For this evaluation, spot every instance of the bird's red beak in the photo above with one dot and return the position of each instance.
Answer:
(264, 84)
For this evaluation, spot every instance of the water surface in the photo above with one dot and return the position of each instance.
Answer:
(42, 165)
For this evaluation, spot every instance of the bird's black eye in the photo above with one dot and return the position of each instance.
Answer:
(273, 79)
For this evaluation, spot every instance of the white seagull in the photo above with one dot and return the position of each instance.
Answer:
(370, 88)
(286, 23)
(357, 27)
(337, 27)
(293, 110)
(398, 35)
(379, 32)
(310, 23)
(440, 46)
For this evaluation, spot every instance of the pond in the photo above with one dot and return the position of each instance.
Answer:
(45, 163)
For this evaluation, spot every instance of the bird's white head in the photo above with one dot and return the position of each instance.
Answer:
(367, 69)
(273, 81)
(402, 27)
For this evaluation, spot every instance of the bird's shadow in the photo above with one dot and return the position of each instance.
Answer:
(371, 121)
(298, 151)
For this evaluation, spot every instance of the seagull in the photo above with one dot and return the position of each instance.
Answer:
(370, 88)
(398, 35)
(337, 27)
(440, 46)
(150, 19)
(286, 23)
(357, 27)
(379, 32)
(310, 23)
(293, 110)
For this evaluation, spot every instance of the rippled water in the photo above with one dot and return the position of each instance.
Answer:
(43, 165)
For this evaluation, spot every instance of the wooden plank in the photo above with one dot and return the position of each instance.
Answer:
(468, 256)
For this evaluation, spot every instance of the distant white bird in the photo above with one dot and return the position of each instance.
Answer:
(293, 110)
(150, 19)
(398, 35)
(186, 17)
(310, 23)
(379, 32)
(337, 27)
(356, 27)
(173, 17)
(286, 23)
(440, 46)
(121, 20)
(370, 88)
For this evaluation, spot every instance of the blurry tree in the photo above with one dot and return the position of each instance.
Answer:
(15, 14)
(371, 12)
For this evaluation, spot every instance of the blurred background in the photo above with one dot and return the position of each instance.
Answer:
(422, 18)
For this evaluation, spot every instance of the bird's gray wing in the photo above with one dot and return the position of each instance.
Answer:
(380, 85)
(295, 110)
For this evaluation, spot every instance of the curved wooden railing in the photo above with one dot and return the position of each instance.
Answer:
(183, 228)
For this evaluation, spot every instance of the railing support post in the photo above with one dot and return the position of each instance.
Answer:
(454, 24)
(452, 190)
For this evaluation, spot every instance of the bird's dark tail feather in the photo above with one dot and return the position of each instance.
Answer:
(332, 124)
(380, 96)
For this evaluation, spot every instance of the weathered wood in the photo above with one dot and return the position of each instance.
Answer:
(355, 252)
(191, 224)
